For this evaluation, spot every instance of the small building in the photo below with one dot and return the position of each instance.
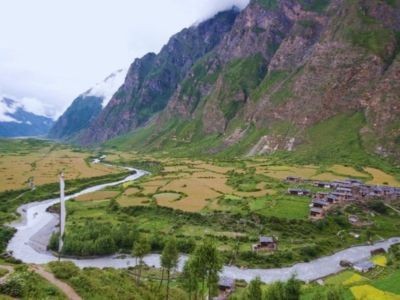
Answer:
(331, 199)
(266, 243)
(226, 284)
(363, 266)
(299, 192)
(325, 185)
(378, 251)
(319, 203)
(293, 179)
(316, 213)
(321, 195)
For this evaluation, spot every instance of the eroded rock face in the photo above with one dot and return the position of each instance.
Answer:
(280, 67)
(152, 79)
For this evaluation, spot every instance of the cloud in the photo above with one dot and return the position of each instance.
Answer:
(52, 51)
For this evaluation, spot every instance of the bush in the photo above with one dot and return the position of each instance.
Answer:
(64, 270)
(13, 287)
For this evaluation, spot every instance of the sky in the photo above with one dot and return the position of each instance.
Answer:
(52, 51)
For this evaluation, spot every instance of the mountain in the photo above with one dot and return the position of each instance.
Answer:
(86, 107)
(320, 78)
(152, 79)
(16, 121)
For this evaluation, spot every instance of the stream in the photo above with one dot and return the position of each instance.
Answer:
(36, 226)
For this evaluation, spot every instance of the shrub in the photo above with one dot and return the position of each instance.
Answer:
(64, 270)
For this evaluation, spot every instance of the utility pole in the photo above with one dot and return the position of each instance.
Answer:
(62, 214)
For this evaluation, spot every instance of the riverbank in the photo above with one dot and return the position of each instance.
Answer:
(34, 229)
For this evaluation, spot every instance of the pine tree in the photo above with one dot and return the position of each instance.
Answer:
(169, 259)
(141, 247)
(254, 291)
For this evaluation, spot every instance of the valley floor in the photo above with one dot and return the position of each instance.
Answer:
(231, 201)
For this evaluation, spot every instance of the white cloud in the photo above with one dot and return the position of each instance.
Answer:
(109, 86)
(55, 50)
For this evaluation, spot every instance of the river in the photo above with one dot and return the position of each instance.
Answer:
(36, 226)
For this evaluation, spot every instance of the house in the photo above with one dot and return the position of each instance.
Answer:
(322, 184)
(316, 213)
(299, 192)
(293, 179)
(321, 195)
(378, 251)
(319, 203)
(344, 190)
(363, 266)
(265, 243)
(226, 286)
(332, 199)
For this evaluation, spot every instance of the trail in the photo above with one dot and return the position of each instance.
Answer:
(10, 271)
(64, 287)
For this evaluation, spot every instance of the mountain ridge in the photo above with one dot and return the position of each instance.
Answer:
(282, 69)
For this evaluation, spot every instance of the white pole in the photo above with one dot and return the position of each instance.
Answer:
(62, 212)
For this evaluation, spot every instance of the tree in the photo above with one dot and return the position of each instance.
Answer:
(335, 293)
(293, 289)
(141, 247)
(276, 291)
(206, 265)
(189, 280)
(254, 291)
(169, 259)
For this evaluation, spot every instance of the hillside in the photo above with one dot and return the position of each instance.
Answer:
(86, 107)
(268, 80)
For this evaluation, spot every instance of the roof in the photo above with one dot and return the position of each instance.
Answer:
(226, 282)
(317, 210)
(266, 239)
(364, 265)
(320, 202)
(299, 190)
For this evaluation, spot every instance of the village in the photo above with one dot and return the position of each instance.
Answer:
(340, 192)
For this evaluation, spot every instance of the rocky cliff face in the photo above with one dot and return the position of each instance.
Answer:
(84, 109)
(152, 79)
(267, 80)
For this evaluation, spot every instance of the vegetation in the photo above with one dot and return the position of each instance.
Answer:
(26, 284)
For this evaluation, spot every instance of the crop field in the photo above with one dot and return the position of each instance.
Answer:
(381, 178)
(43, 165)
(97, 196)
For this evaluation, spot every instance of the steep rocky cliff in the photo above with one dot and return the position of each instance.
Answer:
(285, 74)
(86, 107)
(152, 80)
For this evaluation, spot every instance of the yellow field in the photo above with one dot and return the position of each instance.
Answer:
(44, 166)
(163, 199)
(125, 201)
(97, 196)
(380, 260)
(355, 278)
(281, 172)
(380, 178)
(368, 292)
(347, 171)
(131, 191)
(328, 177)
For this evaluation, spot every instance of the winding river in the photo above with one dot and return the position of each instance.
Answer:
(36, 226)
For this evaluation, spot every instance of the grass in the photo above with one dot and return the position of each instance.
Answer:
(368, 292)
(389, 283)
(26, 284)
